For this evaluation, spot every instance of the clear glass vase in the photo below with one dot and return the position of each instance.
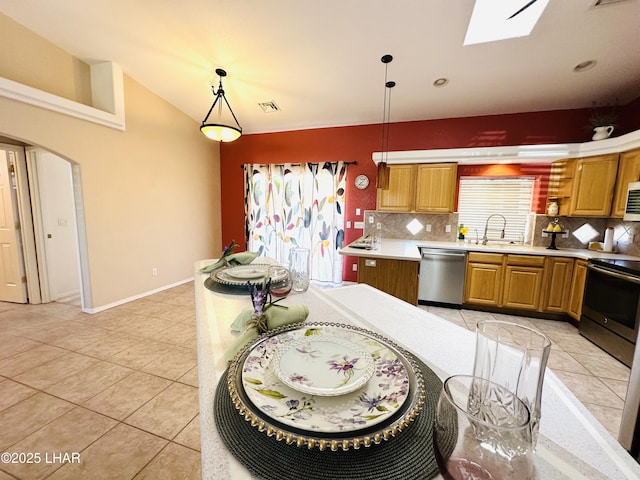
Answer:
(299, 267)
(514, 356)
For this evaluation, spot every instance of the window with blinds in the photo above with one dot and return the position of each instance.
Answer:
(481, 197)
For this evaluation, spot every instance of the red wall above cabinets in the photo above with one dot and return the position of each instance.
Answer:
(357, 143)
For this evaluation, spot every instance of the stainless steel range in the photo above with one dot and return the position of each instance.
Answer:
(610, 308)
(610, 319)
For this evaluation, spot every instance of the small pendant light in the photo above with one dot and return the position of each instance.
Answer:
(383, 169)
(217, 129)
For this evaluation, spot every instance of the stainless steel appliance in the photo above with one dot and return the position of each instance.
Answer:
(611, 318)
(632, 207)
(610, 307)
(441, 276)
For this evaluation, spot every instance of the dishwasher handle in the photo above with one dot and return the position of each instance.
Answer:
(431, 254)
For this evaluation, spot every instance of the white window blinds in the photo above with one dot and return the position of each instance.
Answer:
(481, 197)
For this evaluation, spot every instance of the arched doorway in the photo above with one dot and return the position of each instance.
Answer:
(51, 224)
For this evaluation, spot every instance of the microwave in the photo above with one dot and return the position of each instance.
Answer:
(632, 207)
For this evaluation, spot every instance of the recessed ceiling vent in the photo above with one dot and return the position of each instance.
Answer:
(602, 3)
(269, 107)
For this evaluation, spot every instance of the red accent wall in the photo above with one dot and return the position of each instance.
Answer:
(357, 143)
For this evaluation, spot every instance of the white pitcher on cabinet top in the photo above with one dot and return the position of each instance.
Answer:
(602, 132)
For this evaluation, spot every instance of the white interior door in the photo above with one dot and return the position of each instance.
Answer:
(55, 223)
(12, 286)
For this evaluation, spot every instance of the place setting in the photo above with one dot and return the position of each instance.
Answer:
(321, 396)
(334, 400)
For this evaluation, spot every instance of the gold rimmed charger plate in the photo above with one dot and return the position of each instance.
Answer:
(371, 433)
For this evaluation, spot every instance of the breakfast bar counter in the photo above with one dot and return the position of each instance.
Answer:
(571, 444)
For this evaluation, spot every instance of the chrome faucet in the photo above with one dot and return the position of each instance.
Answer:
(486, 227)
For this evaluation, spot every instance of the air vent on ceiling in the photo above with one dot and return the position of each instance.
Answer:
(602, 3)
(269, 107)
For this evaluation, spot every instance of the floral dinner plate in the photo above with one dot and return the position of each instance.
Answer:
(323, 365)
(371, 403)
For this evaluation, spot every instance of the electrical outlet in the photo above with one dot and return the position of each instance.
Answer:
(378, 225)
(358, 225)
(428, 227)
(354, 267)
(348, 224)
(371, 219)
(357, 211)
(154, 272)
(447, 228)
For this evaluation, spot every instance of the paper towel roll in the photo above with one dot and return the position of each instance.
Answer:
(608, 240)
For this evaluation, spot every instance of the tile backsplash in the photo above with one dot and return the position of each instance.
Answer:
(394, 225)
(621, 241)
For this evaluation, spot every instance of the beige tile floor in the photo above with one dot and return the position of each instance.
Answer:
(119, 388)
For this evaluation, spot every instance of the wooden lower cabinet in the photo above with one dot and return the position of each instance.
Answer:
(525, 282)
(576, 294)
(556, 288)
(395, 277)
(522, 281)
(483, 278)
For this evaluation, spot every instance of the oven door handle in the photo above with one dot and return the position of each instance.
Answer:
(622, 276)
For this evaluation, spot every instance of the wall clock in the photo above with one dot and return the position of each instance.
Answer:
(361, 182)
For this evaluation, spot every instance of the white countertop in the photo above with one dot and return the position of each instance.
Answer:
(410, 250)
(571, 445)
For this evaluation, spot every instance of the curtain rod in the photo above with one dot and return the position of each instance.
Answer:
(298, 164)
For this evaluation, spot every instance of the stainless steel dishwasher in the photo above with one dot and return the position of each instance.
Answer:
(442, 276)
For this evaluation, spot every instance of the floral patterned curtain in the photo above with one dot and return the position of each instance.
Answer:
(289, 206)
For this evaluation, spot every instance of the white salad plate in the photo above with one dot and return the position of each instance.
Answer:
(247, 272)
(323, 365)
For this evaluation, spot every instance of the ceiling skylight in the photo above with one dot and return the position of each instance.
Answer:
(494, 20)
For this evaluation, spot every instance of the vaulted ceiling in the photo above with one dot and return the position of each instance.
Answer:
(320, 61)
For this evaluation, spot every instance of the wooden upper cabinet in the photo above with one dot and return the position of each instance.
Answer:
(436, 187)
(427, 187)
(628, 171)
(399, 197)
(594, 181)
(561, 184)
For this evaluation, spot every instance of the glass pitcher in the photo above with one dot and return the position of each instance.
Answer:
(299, 267)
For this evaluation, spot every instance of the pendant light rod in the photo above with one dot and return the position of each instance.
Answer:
(383, 169)
(386, 110)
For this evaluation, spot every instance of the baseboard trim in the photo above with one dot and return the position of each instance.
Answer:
(135, 297)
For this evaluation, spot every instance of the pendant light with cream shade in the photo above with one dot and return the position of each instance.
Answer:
(220, 129)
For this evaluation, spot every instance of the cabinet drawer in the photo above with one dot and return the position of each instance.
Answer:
(484, 257)
(526, 260)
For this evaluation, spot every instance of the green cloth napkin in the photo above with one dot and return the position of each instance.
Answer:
(276, 317)
(242, 258)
